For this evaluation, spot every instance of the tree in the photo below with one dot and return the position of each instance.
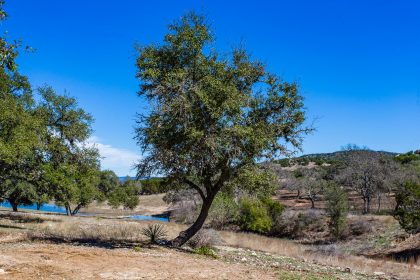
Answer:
(366, 172)
(71, 167)
(108, 182)
(19, 129)
(210, 117)
(407, 211)
(336, 209)
(126, 195)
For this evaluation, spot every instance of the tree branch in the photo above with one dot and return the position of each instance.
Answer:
(195, 187)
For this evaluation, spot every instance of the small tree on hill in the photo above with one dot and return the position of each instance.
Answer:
(211, 117)
(336, 209)
(407, 210)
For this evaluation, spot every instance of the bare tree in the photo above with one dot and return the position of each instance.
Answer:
(367, 172)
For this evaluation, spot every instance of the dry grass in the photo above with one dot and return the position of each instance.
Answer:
(309, 254)
(122, 231)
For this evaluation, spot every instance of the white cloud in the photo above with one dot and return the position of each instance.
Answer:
(121, 161)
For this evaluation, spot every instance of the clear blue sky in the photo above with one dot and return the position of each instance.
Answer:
(357, 62)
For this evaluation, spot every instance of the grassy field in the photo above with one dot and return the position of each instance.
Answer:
(52, 246)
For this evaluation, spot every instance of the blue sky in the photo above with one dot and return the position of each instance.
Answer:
(357, 62)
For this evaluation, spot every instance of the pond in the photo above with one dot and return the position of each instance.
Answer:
(58, 209)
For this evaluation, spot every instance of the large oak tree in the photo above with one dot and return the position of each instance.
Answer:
(211, 116)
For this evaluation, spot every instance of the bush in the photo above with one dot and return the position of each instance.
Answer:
(336, 209)
(254, 216)
(126, 195)
(224, 211)
(155, 233)
(407, 211)
(295, 224)
(205, 238)
(360, 227)
(206, 251)
(275, 208)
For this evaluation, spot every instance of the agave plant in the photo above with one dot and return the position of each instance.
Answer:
(155, 233)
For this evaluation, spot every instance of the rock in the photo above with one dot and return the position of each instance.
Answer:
(379, 273)
(243, 259)
(347, 270)
(2, 271)
(276, 264)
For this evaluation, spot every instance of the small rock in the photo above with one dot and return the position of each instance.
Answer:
(276, 264)
(379, 273)
(243, 259)
(348, 270)
(253, 254)
(2, 271)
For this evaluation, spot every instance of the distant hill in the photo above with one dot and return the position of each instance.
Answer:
(321, 158)
(336, 154)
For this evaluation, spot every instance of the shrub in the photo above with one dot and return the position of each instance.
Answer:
(156, 233)
(205, 238)
(224, 211)
(125, 195)
(206, 251)
(407, 211)
(295, 224)
(336, 209)
(275, 208)
(360, 227)
(254, 216)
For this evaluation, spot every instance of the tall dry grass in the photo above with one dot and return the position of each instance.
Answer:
(311, 254)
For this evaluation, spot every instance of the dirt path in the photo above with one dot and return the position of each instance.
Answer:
(51, 261)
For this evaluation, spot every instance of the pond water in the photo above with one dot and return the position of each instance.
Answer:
(58, 209)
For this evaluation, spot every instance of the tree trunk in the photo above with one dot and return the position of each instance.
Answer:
(184, 236)
(14, 206)
(38, 205)
(68, 210)
(365, 207)
(76, 210)
(312, 204)
(379, 202)
(368, 205)
(298, 194)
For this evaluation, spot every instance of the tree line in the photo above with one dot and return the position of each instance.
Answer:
(44, 153)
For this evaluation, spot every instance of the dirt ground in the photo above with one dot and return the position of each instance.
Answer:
(59, 261)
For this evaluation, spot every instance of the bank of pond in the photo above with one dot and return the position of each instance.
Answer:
(52, 208)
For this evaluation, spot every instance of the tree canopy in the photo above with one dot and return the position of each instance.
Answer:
(212, 115)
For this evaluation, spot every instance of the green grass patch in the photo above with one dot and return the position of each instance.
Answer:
(206, 251)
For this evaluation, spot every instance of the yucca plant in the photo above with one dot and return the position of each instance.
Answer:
(155, 233)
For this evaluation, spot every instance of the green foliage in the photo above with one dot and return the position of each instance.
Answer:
(408, 157)
(407, 211)
(253, 180)
(211, 116)
(42, 136)
(254, 216)
(156, 186)
(224, 211)
(275, 208)
(206, 251)
(336, 209)
(155, 233)
(285, 162)
(108, 182)
(126, 195)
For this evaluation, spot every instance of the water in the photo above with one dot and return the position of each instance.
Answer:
(148, 218)
(45, 207)
(58, 209)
